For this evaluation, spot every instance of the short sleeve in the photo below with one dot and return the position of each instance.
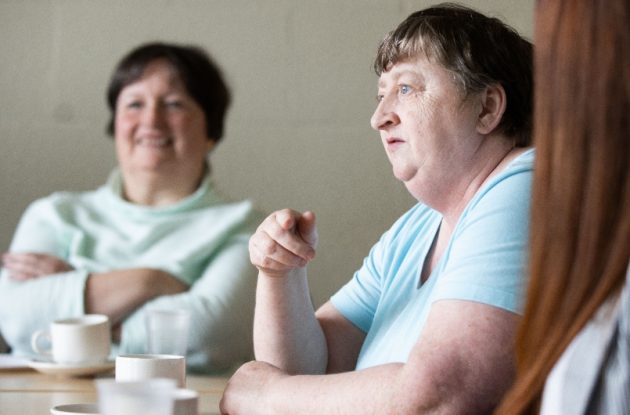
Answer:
(386, 269)
(487, 257)
(358, 299)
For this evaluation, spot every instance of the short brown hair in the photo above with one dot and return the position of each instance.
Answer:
(478, 50)
(199, 74)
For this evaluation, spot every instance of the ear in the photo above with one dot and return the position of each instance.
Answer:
(493, 103)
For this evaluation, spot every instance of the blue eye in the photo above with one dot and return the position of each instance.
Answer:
(405, 89)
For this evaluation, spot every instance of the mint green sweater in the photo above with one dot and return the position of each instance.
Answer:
(202, 240)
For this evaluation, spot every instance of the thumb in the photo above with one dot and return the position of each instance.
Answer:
(306, 228)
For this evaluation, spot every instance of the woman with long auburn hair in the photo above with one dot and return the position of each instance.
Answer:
(573, 343)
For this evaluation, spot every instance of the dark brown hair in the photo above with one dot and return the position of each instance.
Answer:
(480, 51)
(200, 75)
(580, 235)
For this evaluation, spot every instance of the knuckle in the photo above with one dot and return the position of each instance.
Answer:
(268, 247)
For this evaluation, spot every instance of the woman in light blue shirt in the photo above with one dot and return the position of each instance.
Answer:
(426, 324)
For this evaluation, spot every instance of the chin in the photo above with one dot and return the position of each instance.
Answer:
(404, 174)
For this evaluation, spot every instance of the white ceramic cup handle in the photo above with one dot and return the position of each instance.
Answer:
(41, 334)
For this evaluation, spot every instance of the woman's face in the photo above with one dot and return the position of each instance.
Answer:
(426, 125)
(159, 127)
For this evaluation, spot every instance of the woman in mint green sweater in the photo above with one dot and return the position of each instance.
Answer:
(156, 235)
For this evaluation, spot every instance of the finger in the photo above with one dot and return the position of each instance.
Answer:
(20, 276)
(27, 265)
(16, 262)
(271, 266)
(267, 253)
(288, 240)
(20, 261)
(306, 228)
(40, 264)
(287, 218)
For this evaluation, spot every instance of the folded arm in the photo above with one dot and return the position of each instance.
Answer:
(462, 363)
(118, 293)
(221, 303)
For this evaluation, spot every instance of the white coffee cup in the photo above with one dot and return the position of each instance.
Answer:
(79, 340)
(186, 402)
(139, 367)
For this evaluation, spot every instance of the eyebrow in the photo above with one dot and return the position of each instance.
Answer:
(399, 74)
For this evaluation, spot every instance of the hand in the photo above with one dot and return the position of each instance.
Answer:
(118, 293)
(27, 265)
(286, 240)
(246, 390)
(162, 282)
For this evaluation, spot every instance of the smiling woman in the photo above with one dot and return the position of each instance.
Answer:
(156, 235)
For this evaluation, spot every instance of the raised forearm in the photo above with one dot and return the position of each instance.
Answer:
(286, 333)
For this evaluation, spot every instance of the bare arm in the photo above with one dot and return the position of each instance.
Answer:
(286, 333)
(343, 339)
(462, 363)
(118, 293)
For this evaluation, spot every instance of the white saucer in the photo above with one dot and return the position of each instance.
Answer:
(75, 369)
(76, 409)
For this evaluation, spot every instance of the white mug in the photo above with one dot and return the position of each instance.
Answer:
(80, 340)
(139, 367)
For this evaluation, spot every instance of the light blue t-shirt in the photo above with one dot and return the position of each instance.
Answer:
(483, 262)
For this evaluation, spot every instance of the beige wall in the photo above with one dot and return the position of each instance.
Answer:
(298, 133)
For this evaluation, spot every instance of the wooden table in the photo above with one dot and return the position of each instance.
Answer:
(27, 392)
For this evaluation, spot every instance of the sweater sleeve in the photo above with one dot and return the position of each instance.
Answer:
(26, 306)
(221, 303)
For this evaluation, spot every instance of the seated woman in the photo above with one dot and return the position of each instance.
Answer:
(426, 324)
(156, 235)
(573, 345)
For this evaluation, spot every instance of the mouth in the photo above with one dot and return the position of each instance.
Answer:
(392, 141)
(153, 141)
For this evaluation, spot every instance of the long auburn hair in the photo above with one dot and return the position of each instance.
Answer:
(580, 231)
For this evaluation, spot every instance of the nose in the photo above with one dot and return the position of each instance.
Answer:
(152, 115)
(383, 116)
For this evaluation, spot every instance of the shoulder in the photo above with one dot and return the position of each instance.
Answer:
(238, 213)
(216, 205)
(60, 203)
(516, 177)
(506, 195)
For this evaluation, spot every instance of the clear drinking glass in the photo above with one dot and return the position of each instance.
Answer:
(167, 331)
(149, 397)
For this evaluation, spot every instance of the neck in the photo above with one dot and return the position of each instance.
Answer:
(150, 189)
(491, 157)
